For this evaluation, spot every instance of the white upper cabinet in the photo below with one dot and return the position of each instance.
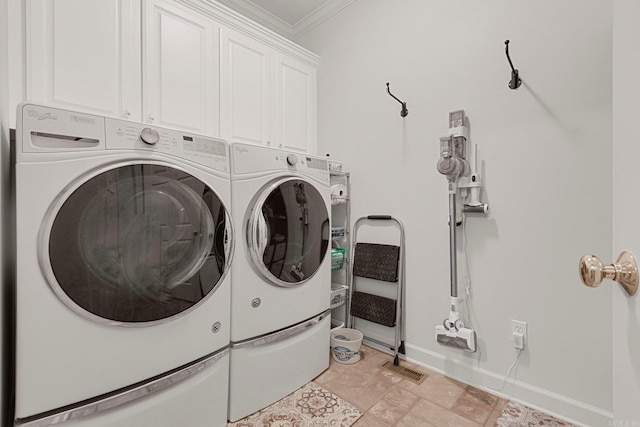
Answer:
(266, 96)
(295, 88)
(187, 64)
(245, 89)
(84, 55)
(180, 68)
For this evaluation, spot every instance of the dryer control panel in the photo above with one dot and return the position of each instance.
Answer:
(255, 159)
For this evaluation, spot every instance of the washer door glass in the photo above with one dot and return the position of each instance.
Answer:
(289, 232)
(138, 243)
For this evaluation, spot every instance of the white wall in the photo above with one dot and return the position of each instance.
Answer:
(545, 153)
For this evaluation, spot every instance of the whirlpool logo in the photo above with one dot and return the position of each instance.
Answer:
(41, 116)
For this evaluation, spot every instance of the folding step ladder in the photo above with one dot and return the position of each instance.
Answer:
(384, 263)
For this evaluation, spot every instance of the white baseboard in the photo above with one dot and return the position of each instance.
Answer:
(562, 407)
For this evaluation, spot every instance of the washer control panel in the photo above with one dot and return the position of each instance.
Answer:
(208, 151)
(54, 131)
(149, 136)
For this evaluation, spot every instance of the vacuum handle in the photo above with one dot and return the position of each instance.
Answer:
(379, 217)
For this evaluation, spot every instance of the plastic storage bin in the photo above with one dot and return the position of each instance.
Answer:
(337, 258)
(345, 345)
(338, 295)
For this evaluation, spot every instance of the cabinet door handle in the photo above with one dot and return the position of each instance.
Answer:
(127, 114)
(624, 271)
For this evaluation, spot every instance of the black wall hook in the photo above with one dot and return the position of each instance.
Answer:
(515, 79)
(404, 111)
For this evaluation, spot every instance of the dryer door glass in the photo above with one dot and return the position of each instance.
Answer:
(138, 243)
(291, 230)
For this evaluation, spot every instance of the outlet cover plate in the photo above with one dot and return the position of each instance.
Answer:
(518, 327)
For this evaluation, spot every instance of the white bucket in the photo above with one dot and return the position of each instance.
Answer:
(345, 345)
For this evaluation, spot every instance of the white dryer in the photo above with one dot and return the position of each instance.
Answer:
(281, 275)
(124, 244)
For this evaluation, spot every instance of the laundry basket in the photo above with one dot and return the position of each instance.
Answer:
(345, 345)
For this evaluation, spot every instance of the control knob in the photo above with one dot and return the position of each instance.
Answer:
(292, 159)
(149, 136)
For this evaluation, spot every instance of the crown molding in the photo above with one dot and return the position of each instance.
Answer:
(261, 16)
(274, 23)
(318, 16)
(236, 20)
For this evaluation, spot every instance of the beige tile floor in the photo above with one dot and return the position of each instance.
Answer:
(389, 400)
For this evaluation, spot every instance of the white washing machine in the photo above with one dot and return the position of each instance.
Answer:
(281, 275)
(124, 244)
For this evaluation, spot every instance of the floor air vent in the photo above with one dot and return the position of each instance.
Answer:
(410, 374)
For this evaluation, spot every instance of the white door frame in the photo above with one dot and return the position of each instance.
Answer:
(626, 208)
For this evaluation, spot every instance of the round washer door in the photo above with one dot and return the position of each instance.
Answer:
(136, 243)
(288, 231)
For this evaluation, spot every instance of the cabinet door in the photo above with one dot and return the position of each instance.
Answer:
(245, 89)
(84, 55)
(295, 105)
(180, 68)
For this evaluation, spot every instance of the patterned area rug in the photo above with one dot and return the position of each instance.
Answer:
(309, 406)
(516, 415)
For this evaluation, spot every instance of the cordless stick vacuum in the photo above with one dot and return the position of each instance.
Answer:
(454, 165)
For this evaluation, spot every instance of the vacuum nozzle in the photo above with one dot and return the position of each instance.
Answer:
(453, 333)
(462, 338)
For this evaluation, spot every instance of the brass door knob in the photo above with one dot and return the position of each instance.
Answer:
(624, 271)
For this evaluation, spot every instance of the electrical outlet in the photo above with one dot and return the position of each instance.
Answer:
(518, 333)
